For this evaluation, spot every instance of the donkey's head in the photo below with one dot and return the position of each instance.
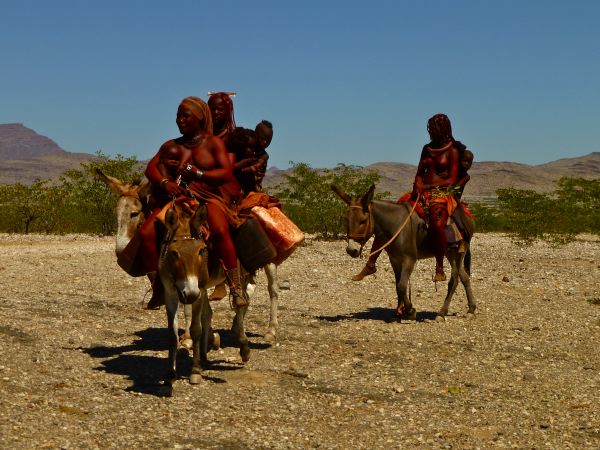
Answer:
(129, 209)
(183, 262)
(359, 219)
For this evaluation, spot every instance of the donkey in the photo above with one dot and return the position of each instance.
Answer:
(130, 212)
(184, 271)
(384, 219)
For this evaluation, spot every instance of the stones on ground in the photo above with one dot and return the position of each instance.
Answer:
(339, 376)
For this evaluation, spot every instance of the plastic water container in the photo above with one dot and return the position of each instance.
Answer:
(252, 245)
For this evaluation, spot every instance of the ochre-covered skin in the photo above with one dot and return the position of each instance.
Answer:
(200, 151)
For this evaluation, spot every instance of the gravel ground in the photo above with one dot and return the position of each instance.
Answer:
(81, 361)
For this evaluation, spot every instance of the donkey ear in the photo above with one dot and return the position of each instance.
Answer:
(199, 218)
(117, 186)
(368, 197)
(341, 194)
(171, 219)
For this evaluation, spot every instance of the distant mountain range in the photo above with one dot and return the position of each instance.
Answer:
(26, 156)
(486, 176)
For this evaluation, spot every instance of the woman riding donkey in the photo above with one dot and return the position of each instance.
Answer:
(205, 165)
(440, 179)
(249, 164)
(223, 117)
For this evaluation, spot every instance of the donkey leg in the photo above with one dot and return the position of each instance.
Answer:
(455, 260)
(239, 332)
(172, 324)
(196, 332)
(465, 279)
(186, 338)
(273, 286)
(407, 270)
(207, 338)
(201, 331)
(403, 271)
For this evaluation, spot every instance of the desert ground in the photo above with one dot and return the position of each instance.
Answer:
(81, 362)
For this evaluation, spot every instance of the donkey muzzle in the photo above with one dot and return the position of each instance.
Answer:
(188, 290)
(353, 248)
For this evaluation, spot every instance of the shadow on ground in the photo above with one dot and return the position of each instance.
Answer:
(146, 371)
(382, 314)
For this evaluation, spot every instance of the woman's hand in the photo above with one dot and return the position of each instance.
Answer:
(244, 163)
(252, 168)
(172, 188)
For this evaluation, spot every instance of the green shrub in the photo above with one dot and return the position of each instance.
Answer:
(487, 218)
(308, 200)
(527, 215)
(26, 207)
(78, 202)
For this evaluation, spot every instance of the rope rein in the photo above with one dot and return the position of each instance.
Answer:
(384, 246)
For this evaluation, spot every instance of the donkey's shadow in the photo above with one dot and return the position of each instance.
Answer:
(382, 314)
(146, 371)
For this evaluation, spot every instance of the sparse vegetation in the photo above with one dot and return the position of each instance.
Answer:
(309, 201)
(527, 215)
(77, 202)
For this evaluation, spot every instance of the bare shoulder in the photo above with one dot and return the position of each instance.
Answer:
(454, 151)
(215, 143)
(171, 143)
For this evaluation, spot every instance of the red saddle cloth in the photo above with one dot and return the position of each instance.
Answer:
(421, 212)
(466, 210)
(418, 209)
(130, 259)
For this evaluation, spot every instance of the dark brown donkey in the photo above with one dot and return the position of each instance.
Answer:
(367, 217)
(186, 270)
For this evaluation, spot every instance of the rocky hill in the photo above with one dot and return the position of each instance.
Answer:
(26, 156)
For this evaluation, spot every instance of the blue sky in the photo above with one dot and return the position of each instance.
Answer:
(342, 81)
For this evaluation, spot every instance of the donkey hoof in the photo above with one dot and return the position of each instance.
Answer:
(170, 377)
(245, 353)
(188, 344)
(440, 318)
(165, 390)
(216, 341)
(412, 315)
(270, 337)
(195, 378)
(470, 315)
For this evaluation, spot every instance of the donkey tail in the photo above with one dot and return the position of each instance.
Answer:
(467, 261)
